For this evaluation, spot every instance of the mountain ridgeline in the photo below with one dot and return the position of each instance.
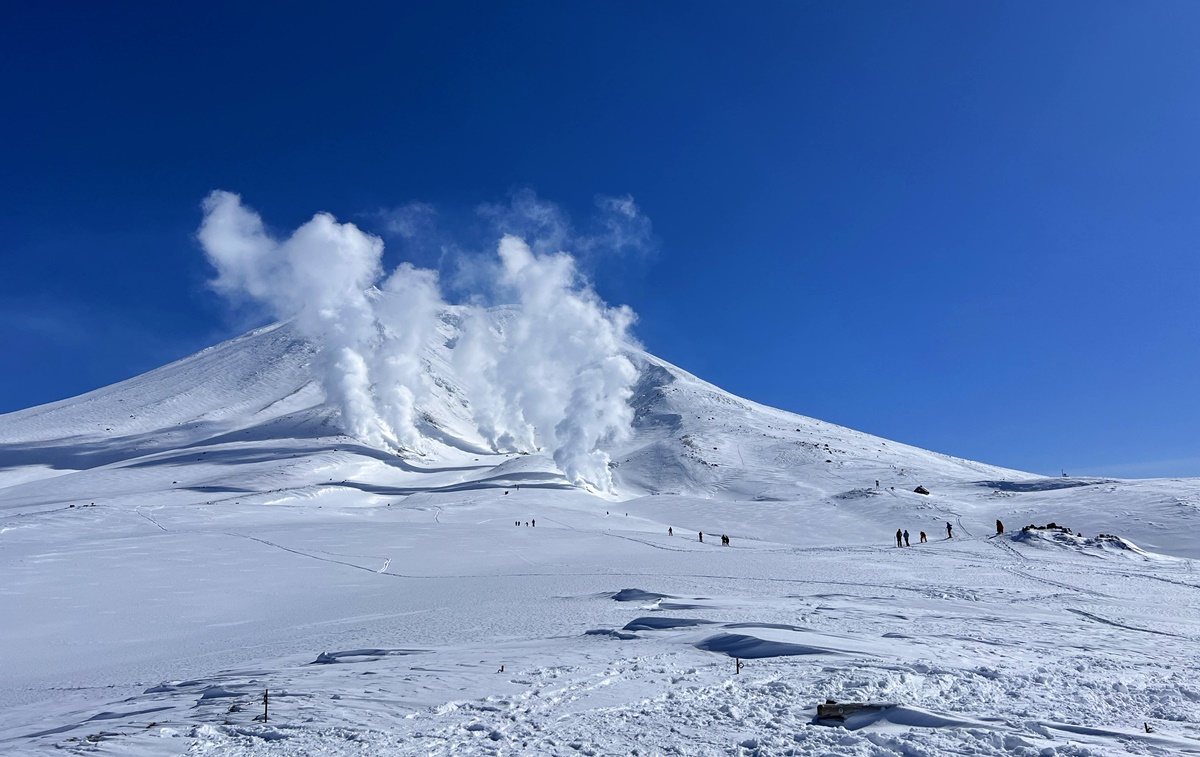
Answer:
(220, 422)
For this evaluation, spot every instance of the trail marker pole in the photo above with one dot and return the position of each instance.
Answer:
(266, 698)
(738, 664)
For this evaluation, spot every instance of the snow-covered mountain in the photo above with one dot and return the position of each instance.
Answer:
(175, 543)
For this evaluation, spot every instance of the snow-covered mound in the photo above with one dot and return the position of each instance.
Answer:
(173, 545)
(1101, 545)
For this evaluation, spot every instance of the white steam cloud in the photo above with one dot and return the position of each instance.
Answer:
(550, 374)
(555, 371)
(618, 227)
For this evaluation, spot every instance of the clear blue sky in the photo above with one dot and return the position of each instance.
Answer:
(971, 226)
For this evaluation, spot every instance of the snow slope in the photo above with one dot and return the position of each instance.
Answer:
(174, 544)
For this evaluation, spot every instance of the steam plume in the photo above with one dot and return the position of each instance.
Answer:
(546, 372)
(319, 276)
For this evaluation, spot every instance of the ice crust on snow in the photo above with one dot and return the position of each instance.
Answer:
(174, 545)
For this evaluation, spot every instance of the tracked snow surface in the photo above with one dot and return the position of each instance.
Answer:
(174, 545)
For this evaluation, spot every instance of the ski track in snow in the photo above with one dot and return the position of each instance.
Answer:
(378, 596)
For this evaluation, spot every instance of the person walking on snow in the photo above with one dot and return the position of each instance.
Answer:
(906, 538)
(949, 530)
(670, 531)
(899, 538)
(923, 538)
(999, 527)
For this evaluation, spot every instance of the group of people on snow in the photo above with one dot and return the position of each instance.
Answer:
(902, 535)
(724, 538)
(902, 538)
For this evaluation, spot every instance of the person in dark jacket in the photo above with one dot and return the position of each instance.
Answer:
(899, 538)
(906, 538)
(949, 530)
(999, 527)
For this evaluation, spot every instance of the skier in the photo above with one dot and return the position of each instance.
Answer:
(899, 538)
(949, 530)
(906, 538)
(923, 539)
(999, 527)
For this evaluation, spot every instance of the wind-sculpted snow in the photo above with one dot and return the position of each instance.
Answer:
(750, 647)
(175, 545)
(637, 595)
(1043, 484)
(656, 624)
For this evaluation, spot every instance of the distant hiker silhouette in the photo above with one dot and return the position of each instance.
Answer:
(923, 539)
(999, 527)
(906, 538)
(701, 537)
(670, 531)
(899, 538)
(949, 530)
(534, 523)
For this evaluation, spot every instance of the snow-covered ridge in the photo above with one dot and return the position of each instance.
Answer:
(255, 397)
(262, 385)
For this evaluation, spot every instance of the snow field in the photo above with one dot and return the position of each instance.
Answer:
(1002, 650)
